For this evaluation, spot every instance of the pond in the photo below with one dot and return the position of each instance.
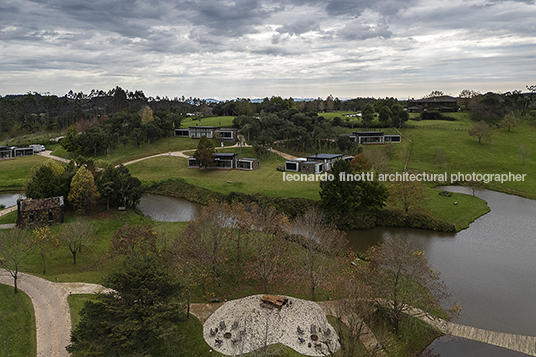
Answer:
(168, 209)
(489, 267)
(9, 199)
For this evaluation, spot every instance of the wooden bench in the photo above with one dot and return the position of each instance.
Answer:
(277, 301)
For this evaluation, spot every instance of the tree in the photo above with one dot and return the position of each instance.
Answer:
(83, 193)
(524, 152)
(384, 114)
(45, 241)
(322, 242)
(342, 199)
(205, 152)
(134, 241)
(441, 159)
(408, 194)
(269, 247)
(434, 94)
(367, 115)
(399, 115)
(76, 235)
(474, 185)
(13, 251)
(45, 180)
(360, 163)
(397, 275)
(509, 121)
(481, 130)
(137, 319)
(70, 141)
(118, 187)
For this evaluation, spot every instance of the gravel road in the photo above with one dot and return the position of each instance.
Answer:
(52, 314)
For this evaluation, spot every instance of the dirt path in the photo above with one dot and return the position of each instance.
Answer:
(52, 313)
(48, 155)
(179, 153)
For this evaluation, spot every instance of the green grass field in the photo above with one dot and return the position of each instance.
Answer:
(13, 172)
(498, 154)
(266, 180)
(209, 121)
(17, 324)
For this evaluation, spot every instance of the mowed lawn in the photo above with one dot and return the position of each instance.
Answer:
(17, 323)
(266, 180)
(499, 154)
(209, 121)
(13, 172)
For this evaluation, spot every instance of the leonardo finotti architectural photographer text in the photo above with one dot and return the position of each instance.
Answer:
(406, 176)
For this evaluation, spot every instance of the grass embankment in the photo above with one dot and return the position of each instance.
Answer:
(499, 154)
(13, 172)
(8, 218)
(17, 324)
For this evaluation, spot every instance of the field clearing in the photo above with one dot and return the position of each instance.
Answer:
(13, 172)
(208, 121)
(498, 154)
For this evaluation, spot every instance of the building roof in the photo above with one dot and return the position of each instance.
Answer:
(225, 154)
(248, 159)
(40, 204)
(369, 133)
(202, 127)
(324, 156)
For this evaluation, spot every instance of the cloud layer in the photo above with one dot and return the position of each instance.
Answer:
(250, 48)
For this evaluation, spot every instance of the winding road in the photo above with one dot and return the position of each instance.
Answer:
(52, 313)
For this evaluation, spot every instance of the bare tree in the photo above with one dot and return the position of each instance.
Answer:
(408, 195)
(524, 153)
(322, 241)
(394, 270)
(481, 130)
(76, 235)
(13, 251)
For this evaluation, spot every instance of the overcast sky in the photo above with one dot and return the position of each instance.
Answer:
(258, 48)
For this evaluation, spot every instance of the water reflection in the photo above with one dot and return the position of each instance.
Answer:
(9, 199)
(168, 209)
(489, 267)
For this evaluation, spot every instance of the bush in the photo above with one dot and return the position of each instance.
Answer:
(434, 115)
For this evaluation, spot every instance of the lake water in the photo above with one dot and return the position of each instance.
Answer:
(490, 268)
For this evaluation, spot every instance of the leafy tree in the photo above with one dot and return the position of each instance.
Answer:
(360, 163)
(341, 200)
(118, 187)
(384, 114)
(367, 115)
(399, 115)
(435, 94)
(137, 319)
(397, 275)
(205, 152)
(481, 130)
(83, 193)
(70, 141)
(45, 180)
(76, 235)
(509, 121)
(45, 241)
(408, 195)
(14, 251)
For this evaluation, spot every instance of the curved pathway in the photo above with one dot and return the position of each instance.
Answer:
(52, 312)
(48, 155)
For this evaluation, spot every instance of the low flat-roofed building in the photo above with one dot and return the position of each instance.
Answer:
(40, 212)
(373, 137)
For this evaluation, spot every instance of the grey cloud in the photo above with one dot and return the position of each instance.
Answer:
(359, 31)
(299, 27)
